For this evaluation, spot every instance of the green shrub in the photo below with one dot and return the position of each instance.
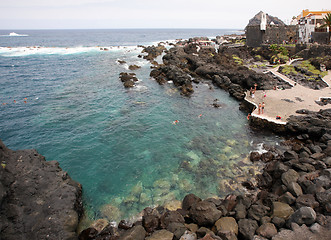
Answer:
(288, 69)
(311, 68)
(275, 58)
(276, 49)
(237, 60)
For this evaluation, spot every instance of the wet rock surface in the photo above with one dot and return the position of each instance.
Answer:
(128, 79)
(37, 199)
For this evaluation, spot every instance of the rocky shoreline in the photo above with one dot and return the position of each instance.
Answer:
(38, 200)
(292, 199)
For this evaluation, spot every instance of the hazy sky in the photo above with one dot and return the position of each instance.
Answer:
(59, 14)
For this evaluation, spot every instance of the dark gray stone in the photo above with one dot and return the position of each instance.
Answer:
(306, 200)
(135, 233)
(279, 222)
(287, 198)
(247, 228)
(150, 222)
(204, 213)
(295, 189)
(289, 176)
(177, 228)
(315, 148)
(257, 211)
(255, 156)
(304, 215)
(240, 211)
(189, 200)
(267, 230)
(170, 217)
(289, 155)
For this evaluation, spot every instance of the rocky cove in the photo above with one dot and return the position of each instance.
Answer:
(290, 200)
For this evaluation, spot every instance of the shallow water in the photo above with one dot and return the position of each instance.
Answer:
(121, 145)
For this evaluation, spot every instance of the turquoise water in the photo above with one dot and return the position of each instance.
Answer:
(121, 145)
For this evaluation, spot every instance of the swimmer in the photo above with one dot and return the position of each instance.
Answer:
(200, 116)
(175, 122)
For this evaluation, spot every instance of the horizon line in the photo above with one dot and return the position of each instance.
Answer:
(128, 28)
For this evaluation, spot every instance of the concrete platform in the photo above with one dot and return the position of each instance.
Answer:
(286, 102)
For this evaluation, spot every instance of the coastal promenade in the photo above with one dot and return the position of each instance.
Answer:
(285, 103)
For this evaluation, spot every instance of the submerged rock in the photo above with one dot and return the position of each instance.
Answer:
(134, 67)
(110, 212)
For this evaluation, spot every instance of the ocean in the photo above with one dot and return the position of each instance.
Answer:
(61, 94)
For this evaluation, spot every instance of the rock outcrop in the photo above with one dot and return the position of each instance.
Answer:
(192, 63)
(37, 199)
(256, 20)
(128, 79)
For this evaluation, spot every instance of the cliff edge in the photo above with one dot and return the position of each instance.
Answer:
(37, 199)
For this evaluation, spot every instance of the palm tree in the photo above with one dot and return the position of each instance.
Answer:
(327, 20)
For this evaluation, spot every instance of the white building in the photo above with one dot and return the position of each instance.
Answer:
(309, 22)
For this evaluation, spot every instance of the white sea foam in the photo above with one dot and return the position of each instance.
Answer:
(13, 34)
(26, 51)
(140, 88)
(37, 50)
(259, 148)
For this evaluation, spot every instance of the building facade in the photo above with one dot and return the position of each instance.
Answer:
(310, 27)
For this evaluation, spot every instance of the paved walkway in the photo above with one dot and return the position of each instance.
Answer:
(286, 102)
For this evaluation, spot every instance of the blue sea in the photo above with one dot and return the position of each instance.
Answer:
(61, 94)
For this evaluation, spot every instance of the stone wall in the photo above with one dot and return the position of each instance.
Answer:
(274, 34)
(307, 51)
(320, 37)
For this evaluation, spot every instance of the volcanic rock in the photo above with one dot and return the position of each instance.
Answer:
(267, 230)
(161, 235)
(204, 213)
(137, 233)
(226, 224)
(281, 210)
(304, 215)
(247, 228)
(38, 199)
(256, 20)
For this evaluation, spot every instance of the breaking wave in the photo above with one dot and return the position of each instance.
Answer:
(38, 50)
(13, 34)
